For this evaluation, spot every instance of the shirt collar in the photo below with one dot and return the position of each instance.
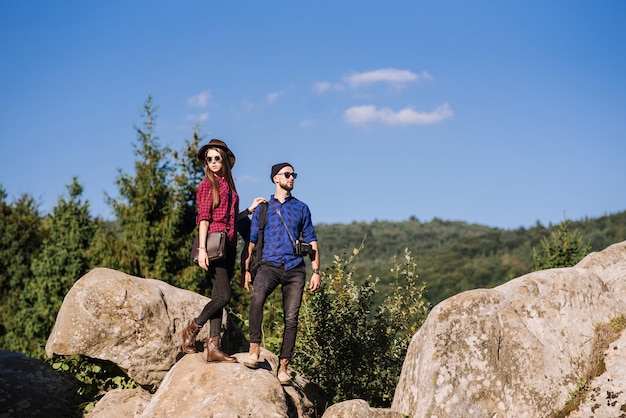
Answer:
(289, 197)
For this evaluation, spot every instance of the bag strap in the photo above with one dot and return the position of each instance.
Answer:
(293, 241)
(262, 220)
(263, 215)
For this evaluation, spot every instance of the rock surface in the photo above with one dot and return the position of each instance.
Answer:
(359, 408)
(127, 403)
(516, 350)
(132, 322)
(28, 388)
(196, 389)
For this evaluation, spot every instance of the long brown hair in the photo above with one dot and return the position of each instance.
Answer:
(228, 176)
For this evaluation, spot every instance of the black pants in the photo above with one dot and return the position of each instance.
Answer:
(220, 273)
(266, 281)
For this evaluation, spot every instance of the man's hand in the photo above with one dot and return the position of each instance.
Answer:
(316, 281)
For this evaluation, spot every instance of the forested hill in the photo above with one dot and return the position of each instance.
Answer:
(454, 256)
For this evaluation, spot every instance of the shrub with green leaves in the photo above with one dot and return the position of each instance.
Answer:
(95, 377)
(345, 347)
(563, 249)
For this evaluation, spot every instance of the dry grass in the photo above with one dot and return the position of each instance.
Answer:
(603, 336)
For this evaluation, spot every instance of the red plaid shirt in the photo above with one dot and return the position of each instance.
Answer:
(217, 217)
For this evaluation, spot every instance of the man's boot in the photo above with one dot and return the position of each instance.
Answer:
(189, 338)
(283, 373)
(253, 356)
(213, 352)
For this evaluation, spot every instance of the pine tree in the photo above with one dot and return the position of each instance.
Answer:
(64, 258)
(563, 249)
(56, 265)
(20, 240)
(153, 208)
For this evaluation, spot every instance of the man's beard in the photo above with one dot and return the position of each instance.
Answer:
(286, 187)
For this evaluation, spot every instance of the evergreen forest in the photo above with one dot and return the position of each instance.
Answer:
(454, 256)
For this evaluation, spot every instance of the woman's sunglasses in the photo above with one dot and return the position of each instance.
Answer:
(217, 159)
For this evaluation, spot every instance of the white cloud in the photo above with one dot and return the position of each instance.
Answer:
(426, 76)
(247, 104)
(397, 78)
(200, 118)
(361, 115)
(200, 100)
(273, 97)
(323, 86)
(307, 123)
(386, 75)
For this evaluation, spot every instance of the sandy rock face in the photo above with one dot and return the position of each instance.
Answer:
(132, 322)
(194, 388)
(515, 350)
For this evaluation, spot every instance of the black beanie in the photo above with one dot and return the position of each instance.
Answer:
(276, 168)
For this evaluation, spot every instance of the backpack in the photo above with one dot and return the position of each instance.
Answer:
(257, 252)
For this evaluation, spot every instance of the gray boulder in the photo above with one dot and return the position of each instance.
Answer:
(127, 403)
(29, 388)
(132, 322)
(196, 389)
(359, 408)
(516, 350)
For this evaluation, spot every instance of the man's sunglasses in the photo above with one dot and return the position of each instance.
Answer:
(288, 175)
(217, 159)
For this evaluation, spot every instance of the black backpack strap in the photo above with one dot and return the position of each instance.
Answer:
(258, 248)
(263, 215)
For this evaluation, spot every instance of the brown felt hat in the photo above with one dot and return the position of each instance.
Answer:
(216, 143)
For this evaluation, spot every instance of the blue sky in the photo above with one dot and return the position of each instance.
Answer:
(500, 113)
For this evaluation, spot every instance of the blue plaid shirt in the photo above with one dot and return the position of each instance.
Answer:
(278, 248)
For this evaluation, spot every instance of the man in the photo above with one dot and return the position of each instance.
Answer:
(282, 264)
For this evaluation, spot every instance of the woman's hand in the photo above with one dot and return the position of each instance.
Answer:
(256, 202)
(203, 259)
(248, 280)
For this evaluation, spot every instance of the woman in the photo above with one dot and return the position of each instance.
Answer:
(218, 206)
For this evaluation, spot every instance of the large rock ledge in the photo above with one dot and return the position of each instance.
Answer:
(517, 350)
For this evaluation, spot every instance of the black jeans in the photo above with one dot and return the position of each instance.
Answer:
(220, 273)
(266, 281)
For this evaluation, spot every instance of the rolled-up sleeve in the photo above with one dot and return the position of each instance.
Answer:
(308, 231)
(203, 201)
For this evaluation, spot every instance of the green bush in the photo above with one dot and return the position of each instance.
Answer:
(345, 347)
(95, 377)
(563, 249)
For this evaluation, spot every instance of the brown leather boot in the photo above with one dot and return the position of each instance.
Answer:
(283, 373)
(189, 338)
(213, 352)
(253, 356)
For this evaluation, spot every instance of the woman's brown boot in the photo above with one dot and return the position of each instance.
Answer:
(253, 356)
(213, 352)
(189, 338)
(283, 373)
